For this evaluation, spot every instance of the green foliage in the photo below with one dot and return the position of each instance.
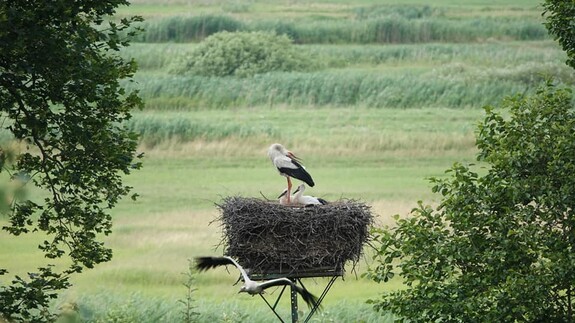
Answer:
(103, 308)
(153, 129)
(154, 56)
(441, 88)
(133, 308)
(187, 28)
(189, 313)
(406, 11)
(499, 246)
(244, 54)
(60, 91)
(400, 29)
(458, 74)
(396, 24)
(406, 76)
(29, 299)
(559, 15)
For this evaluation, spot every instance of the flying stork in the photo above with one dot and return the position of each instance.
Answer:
(251, 287)
(288, 166)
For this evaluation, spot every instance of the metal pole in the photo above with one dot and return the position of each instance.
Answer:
(320, 299)
(293, 304)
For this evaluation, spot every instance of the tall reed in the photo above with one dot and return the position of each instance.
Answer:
(162, 56)
(376, 30)
(452, 85)
(186, 28)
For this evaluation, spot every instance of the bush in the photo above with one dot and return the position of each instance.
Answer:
(243, 54)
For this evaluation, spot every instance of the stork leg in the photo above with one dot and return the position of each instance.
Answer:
(289, 191)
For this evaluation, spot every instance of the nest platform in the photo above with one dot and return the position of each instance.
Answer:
(273, 240)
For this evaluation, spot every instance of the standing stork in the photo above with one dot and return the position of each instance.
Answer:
(288, 165)
(251, 287)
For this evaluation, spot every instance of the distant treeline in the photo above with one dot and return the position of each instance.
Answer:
(369, 29)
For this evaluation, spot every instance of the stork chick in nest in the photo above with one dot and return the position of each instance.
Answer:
(299, 198)
(283, 199)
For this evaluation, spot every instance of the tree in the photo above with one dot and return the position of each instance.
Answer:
(60, 95)
(500, 247)
(559, 15)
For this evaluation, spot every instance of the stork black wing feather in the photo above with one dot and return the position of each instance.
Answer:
(205, 263)
(308, 297)
(276, 282)
(299, 173)
(322, 201)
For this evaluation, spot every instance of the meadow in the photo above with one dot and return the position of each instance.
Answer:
(378, 114)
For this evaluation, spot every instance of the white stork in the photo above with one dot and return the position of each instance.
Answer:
(251, 287)
(288, 166)
(299, 198)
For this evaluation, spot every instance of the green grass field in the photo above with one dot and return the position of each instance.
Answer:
(354, 155)
(371, 122)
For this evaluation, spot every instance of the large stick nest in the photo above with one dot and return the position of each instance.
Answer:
(269, 238)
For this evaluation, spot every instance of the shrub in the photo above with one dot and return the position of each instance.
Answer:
(244, 54)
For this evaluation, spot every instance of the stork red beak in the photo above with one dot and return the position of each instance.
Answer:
(294, 157)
